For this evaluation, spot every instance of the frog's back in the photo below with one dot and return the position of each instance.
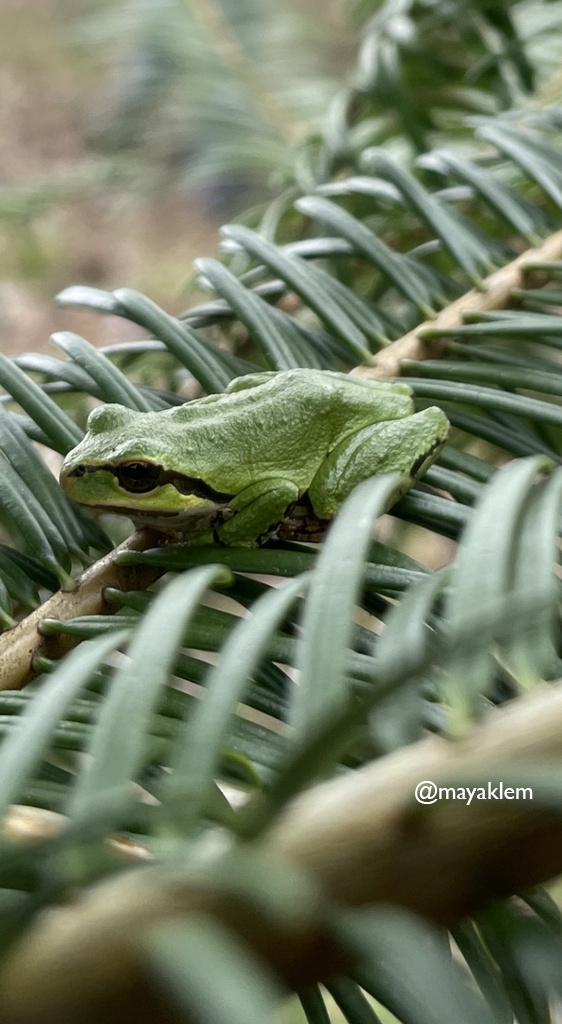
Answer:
(279, 424)
(309, 395)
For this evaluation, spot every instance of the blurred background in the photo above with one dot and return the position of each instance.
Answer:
(131, 129)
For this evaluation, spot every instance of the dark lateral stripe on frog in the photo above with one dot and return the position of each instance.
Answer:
(422, 458)
(183, 484)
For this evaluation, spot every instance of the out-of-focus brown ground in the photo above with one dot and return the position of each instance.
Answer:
(102, 236)
(61, 222)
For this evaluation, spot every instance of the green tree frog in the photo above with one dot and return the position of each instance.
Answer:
(229, 467)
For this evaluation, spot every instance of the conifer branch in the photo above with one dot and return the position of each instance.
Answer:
(495, 294)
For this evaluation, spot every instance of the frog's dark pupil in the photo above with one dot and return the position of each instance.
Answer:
(138, 477)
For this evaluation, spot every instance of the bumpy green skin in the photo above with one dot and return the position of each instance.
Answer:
(269, 439)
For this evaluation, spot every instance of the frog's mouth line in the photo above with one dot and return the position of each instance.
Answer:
(173, 521)
(188, 485)
(140, 513)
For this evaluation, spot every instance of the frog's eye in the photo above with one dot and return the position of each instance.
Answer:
(138, 477)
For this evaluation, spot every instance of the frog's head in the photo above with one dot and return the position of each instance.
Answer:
(124, 465)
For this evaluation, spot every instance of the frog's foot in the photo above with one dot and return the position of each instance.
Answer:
(256, 509)
(301, 523)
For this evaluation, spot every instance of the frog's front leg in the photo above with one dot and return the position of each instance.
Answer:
(257, 508)
(407, 446)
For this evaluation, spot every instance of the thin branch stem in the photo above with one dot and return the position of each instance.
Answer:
(495, 294)
(20, 645)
